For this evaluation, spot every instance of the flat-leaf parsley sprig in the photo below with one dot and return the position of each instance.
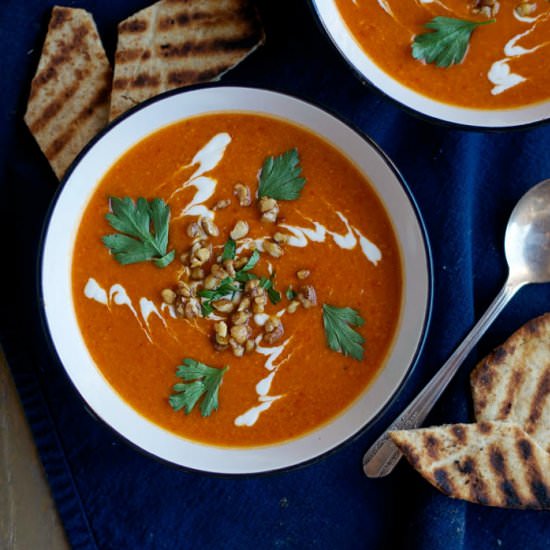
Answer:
(199, 380)
(448, 44)
(340, 336)
(280, 177)
(143, 231)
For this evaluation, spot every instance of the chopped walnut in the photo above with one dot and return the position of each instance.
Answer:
(220, 329)
(488, 8)
(281, 238)
(195, 231)
(221, 204)
(168, 296)
(238, 349)
(185, 290)
(197, 274)
(307, 296)
(192, 309)
(219, 272)
(240, 333)
(293, 306)
(269, 209)
(229, 266)
(526, 8)
(209, 226)
(242, 192)
(224, 305)
(273, 249)
(273, 330)
(239, 231)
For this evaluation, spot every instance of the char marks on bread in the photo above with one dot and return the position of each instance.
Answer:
(175, 43)
(491, 463)
(69, 99)
(512, 384)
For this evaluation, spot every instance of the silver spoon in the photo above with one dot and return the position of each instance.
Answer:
(527, 247)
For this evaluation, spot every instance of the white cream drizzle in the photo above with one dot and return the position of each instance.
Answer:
(525, 18)
(250, 417)
(171, 309)
(500, 73)
(93, 291)
(263, 387)
(386, 7)
(207, 159)
(117, 294)
(348, 241)
(147, 308)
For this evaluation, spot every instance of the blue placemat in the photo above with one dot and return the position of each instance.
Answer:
(111, 496)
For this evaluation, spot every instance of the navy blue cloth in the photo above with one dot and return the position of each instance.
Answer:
(112, 497)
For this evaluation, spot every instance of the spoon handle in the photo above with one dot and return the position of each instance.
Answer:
(383, 455)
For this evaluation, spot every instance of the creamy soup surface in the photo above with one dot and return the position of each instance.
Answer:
(337, 230)
(506, 64)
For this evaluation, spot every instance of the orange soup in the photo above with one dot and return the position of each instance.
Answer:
(506, 61)
(271, 303)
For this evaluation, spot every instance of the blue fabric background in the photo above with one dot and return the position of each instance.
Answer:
(111, 496)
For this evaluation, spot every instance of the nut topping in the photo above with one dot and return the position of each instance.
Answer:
(239, 231)
(269, 209)
(242, 192)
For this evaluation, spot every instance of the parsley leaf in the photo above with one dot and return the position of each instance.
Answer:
(280, 177)
(143, 231)
(290, 294)
(201, 380)
(340, 336)
(448, 44)
(229, 250)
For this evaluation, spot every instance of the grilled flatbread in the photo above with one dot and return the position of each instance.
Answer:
(491, 463)
(69, 99)
(176, 43)
(512, 384)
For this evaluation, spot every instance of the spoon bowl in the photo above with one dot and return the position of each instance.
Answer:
(527, 249)
(527, 240)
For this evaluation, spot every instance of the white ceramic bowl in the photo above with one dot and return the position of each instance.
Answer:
(59, 311)
(337, 30)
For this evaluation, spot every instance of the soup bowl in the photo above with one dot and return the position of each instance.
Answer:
(372, 73)
(58, 301)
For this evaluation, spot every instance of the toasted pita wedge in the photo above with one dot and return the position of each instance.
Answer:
(69, 99)
(512, 384)
(491, 463)
(176, 43)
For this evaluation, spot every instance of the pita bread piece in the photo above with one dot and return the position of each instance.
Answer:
(176, 43)
(69, 100)
(491, 463)
(512, 384)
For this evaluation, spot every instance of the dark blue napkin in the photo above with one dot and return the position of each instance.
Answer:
(111, 496)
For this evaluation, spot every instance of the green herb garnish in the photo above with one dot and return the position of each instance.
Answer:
(143, 231)
(201, 380)
(274, 295)
(290, 294)
(280, 177)
(252, 261)
(243, 276)
(225, 288)
(340, 336)
(229, 250)
(448, 44)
